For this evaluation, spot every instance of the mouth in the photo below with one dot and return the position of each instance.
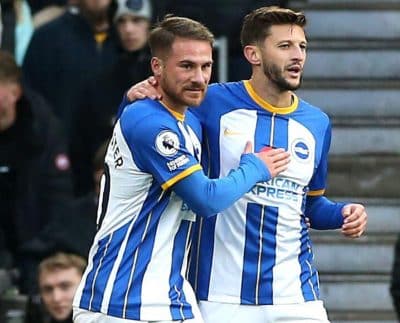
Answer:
(195, 90)
(294, 71)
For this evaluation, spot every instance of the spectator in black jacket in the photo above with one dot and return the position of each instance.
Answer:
(35, 182)
(66, 53)
(395, 281)
(95, 114)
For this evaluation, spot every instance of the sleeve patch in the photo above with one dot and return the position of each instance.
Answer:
(167, 143)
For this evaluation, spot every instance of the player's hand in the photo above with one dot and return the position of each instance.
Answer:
(144, 89)
(355, 220)
(275, 159)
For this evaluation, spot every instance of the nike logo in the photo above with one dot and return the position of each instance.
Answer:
(228, 132)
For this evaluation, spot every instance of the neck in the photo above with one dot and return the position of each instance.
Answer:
(171, 104)
(268, 91)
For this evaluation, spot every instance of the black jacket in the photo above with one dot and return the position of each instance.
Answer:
(95, 115)
(62, 57)
(395, 281)
(35, 178)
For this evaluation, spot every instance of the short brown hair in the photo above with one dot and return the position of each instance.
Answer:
(163, 35)
(9, 70)
(257, 24)
(62, 260)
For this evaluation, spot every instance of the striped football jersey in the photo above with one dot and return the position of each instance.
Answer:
(137, 262)
(258, 251)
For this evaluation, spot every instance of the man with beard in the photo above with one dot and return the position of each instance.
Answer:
(152, 180)
(253, 262)
(68, 52)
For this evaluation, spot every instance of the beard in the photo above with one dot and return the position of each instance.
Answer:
(275, 75)
(178, 98)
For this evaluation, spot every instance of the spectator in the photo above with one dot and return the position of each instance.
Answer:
(395, 282)
(35, 183)
(17, 26)
(98, 105)
(58, 277)
(67, 52)
(37, 5)
(73, 233)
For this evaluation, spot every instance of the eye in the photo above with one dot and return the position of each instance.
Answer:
(284, 46)
(206, 66)
(186, 66)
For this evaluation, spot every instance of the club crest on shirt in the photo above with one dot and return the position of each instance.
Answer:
(167, 143)
(300, 150)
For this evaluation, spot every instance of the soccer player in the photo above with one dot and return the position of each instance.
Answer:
(254, 262)
(152, 183)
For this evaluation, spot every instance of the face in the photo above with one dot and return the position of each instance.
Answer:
(9, 95)
(184, 73)
(133, 32)
(57, 289)
(95, 6)
(283, 55)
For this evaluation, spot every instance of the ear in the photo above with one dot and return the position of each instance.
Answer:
(252, 54)
(156, 66)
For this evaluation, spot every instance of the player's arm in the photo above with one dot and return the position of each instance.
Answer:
(323, 213)
(206, 197)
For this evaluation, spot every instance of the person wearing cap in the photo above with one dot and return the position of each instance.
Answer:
(95, 114)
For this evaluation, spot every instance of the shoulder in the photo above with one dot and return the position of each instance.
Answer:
(224, 88)
(145, 117)
(313, 112)
(54, 25)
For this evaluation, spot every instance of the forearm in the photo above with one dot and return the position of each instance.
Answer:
(207, 197)
(323, 213)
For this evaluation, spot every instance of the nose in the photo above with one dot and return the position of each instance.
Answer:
(298, 53)
(57, 295)
(199, 76)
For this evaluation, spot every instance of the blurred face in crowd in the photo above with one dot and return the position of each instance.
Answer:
(57, 289)
(95, 7)
(283, 54)
(10, 93)
(184, 73)
(133, 32)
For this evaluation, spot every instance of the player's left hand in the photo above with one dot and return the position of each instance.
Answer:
(355, 220)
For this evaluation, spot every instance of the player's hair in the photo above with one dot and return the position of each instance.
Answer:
(257, 24)
(9, 70)
(163, 35)
(62, 260)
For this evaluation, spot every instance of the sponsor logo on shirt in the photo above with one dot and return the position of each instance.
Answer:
(167, 143)
(229, 132)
